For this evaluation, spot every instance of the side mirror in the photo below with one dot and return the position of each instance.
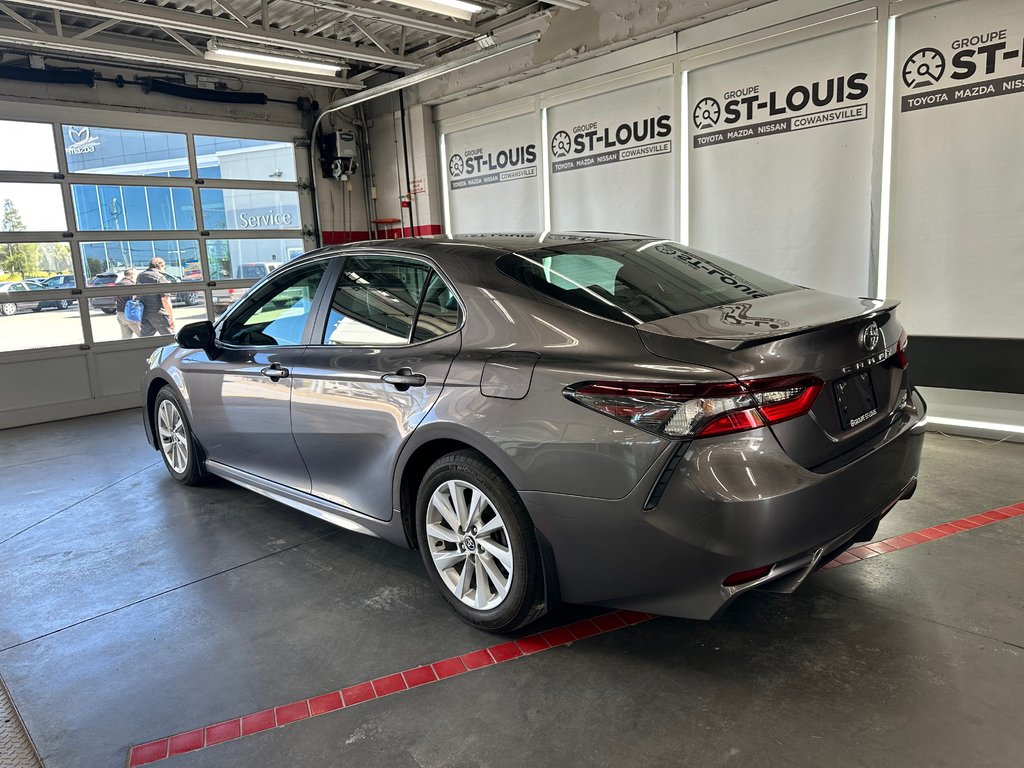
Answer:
(197, 335)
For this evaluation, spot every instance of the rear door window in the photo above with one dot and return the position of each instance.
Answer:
(376, 301)
(637, 281)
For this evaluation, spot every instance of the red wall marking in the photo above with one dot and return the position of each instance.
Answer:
(200, 738)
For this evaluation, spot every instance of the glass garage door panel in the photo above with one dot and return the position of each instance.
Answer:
(117, 208)
(218, 157)
(253, 209)
(91, 149)
(250, 259)
(104, 262)
(27, 147)
(31, 207)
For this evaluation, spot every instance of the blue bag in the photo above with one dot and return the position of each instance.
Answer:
(133, 310)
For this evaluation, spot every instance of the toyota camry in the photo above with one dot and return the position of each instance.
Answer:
(604, 419)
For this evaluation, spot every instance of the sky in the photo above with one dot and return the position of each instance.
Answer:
(30, 147)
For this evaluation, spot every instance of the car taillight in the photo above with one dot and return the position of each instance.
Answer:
(699, 410)
(901, 350)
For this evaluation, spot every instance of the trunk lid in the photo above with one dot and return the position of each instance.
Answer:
(801, 332)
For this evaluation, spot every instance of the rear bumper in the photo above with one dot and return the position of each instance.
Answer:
(731, 504)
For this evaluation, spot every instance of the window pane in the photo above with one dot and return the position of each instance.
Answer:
(110, 208)
(439, 313)
(27, 147)
(124, 153)
(104, 263)
(250, 259)
(37, 263)
(633, 282)
(225, 298)
(27, 323)
(277, 314)
(32, 207)
(107, 325)
(250, 209)
(375, 301)
(251, 159)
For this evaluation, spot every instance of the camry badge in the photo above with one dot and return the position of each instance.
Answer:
(870, 337)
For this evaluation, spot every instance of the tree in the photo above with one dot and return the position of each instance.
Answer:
(17, 257)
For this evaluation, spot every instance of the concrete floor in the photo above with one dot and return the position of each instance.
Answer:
(134, 608)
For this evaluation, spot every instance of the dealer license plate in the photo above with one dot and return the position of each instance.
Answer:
(855, 396)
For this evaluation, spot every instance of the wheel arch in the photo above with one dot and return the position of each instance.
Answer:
(432, 441)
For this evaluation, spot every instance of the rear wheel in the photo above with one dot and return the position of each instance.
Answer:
(107, 310)
(174, 437)
(478, 544)
(63, 304)
(8, 308)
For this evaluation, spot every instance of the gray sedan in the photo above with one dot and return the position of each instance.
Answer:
(601, 419)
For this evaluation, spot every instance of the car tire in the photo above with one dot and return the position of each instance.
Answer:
(191, 299)
(498, 543)
(63, 304)
(107, 310)
(37, 309)
(8, 308)
(175, 441)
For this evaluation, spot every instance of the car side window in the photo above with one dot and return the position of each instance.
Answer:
(277, 315)
(439, 311)
(375, 301)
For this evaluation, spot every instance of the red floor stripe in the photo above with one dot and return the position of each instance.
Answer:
(201, 738)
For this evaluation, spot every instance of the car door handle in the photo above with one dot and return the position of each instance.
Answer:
(404, 378)
(275, 372)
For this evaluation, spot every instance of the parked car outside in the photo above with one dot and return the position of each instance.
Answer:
(15, 297)
(54, 282)
(108, 304)
(601, 419)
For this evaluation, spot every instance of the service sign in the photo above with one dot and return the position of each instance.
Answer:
(592, 143)
(780, 156)
(976, 61)
(493, 177)
(956, 231)
(613, 161)
(750, 110)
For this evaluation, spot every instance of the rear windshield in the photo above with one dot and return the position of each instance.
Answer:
(637, 281)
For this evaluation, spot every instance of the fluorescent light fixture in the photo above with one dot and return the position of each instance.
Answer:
(455, 8)
(969, 423)
(271, 61)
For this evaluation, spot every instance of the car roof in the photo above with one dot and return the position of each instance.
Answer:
(507, 242)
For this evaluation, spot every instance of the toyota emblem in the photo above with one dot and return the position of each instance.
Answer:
(870, 337)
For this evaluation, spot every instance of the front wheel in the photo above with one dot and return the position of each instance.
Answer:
(174, 436)
(107, 310)
(478, 543)
(63, 304)
(8, 308)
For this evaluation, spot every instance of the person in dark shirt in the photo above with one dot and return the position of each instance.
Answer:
(157, 315)
(129, 329)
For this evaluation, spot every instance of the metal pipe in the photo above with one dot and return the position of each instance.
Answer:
(397, 85)
(408, 175)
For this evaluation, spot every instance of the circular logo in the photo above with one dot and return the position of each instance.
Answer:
(470, 544)
(456, 165)
(870, 336)
(924, 67)
(707, 113)
(561, 144)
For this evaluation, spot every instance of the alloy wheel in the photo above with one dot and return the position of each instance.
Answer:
(469, 544)
(173, 437)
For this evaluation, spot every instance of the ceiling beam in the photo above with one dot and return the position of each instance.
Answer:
(19, 18)
(232, 12)
(202, 24)
(160, 58)
(369, 36)
(85, 34)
